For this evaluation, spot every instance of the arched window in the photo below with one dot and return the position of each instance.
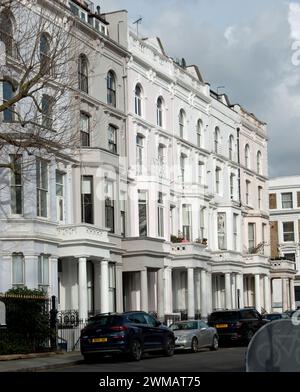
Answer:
(231, 147)
(6, 32)
(216, 141)
(45, 53)
(181, 123)
(199, 133)
(159, 111)
(247, 156)
(83, 74)
(111, 88)
(8, 92)
(138, 100)
(258, 162)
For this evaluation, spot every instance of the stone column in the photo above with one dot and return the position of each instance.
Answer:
(284, 294)
(203, 294)
(168, 292)
(233, 291)
(240, 287)
(209, 293)
(191, 294)
(82, 289)
(292, 294)
(228, 304)
(197, 273)
(160, 293)
(119, 288)
(257, 293)
(104, 288)
(267, 294)
(144, 290)
(218, 288)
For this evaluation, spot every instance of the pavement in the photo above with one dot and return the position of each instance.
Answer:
(38, 362)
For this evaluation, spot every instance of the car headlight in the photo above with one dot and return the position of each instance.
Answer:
(182, 338)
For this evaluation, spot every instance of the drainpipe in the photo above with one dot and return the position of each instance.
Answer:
(238, 159)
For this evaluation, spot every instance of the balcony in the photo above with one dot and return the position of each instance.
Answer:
(82, 233)
(189, 249)
(282, 266)
(256, 259)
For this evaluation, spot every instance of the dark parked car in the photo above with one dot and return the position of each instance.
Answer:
(131, 333)
(237, 325)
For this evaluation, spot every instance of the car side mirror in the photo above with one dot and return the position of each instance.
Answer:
(158, 323)
(203, 329)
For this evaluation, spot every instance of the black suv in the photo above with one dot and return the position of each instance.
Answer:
(238, 325)
(131, 333)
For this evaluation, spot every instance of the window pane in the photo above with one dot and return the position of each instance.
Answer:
(287, 200)
(7, 95)
(59, 184)
(288, 231)
(87, 209)
(18, 269)
(44, 175)
(222, 231)
(43, 195)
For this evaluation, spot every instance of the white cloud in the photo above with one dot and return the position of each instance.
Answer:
(294, 20)
(230, 35)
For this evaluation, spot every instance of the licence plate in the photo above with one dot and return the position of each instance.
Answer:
(99, 340)
(222, 326)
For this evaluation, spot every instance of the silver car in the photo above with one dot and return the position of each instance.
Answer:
(194, 334)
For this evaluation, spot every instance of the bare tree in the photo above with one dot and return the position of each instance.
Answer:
(38, 71)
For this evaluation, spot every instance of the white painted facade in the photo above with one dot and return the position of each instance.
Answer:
(286, 212)
(177, 170)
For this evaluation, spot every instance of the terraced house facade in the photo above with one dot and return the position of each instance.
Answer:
(160, 205)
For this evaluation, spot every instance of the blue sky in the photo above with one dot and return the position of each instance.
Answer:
(245, 45)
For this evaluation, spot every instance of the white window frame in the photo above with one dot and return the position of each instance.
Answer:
(288, 201)
(16, 283)
(60, 198)
(43, 271)
(143, 201)
(40, 189)
(139, 154)
(218, 180)
(160, 216)
(15, 188)
(288, 232)
(235, 231)
(251, 241)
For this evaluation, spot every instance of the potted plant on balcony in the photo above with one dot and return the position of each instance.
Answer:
(174, 239)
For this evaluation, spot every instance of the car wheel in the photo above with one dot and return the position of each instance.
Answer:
(135, 350)
(194, 345)
(169, 347)
(89, 358)
(249, 336)
(215, 344)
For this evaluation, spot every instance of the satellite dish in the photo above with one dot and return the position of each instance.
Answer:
(275, 348)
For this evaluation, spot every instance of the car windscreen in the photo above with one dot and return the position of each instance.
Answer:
(183, 326)
(224, 316)
(272, 317)
(105, 321)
